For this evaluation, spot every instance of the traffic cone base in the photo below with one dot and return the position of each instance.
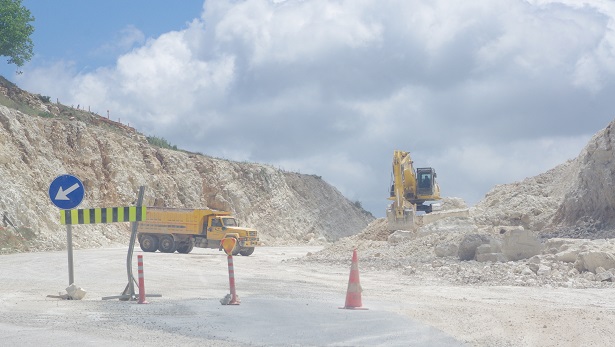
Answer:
(353, 308)
(234, 300)
(353, 294)
(229, 299)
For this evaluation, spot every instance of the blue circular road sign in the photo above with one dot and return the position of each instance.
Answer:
(66, 192)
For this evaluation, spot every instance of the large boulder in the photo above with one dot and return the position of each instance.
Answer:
(591, 260)
(446, 249)
(469, 244)
(491, 252)
(491, 257)
(520, 244)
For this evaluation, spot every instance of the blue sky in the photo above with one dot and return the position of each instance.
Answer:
(86, 32)
(487, 92)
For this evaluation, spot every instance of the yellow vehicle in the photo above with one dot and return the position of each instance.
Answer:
(409, 191)
(169, 230)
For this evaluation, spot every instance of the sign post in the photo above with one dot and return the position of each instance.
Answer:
(228, 244)
(69, 248)
(66, 192)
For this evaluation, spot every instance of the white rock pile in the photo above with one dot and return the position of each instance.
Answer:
(457, 251)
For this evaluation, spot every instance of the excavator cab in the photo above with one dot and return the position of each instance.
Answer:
(425, 181)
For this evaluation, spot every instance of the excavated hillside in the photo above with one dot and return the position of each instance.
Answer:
(575, 199)
(530, 203)
(40, 140)
(589, 206)
(556, 229)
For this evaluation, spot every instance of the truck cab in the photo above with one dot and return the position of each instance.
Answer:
(217, 227)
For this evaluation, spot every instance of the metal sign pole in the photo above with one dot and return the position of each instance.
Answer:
(67, 192)
(131, 247)
(129, 291)
(69, 245)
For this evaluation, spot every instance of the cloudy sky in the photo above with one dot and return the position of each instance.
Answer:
(485, 91)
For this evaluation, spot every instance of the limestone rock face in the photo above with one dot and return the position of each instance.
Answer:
(530, 203)
(592, 198)
(113, 162)
(575, 199)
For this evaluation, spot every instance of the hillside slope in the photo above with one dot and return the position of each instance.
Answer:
(589, 206)
(113, 160)
(575, 199)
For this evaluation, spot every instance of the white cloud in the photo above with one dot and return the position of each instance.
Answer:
(347, 174)
(295, 31)
(128, 38)
(332, 88)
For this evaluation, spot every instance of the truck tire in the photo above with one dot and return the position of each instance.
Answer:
(237, 248)
(167, 244)
(148, 243)
(186, 248)
(246, 251)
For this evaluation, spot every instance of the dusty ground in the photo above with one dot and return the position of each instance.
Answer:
(491, 315)
(471, 315)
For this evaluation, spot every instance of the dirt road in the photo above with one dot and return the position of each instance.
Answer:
(283, 302)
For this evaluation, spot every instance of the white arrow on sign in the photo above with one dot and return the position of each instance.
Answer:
(62, 193)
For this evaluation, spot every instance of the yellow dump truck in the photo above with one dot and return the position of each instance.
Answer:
(169, 230)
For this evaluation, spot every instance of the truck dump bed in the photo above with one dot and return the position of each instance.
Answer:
(176, 221)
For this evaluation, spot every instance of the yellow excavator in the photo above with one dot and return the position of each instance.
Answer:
(409, 191)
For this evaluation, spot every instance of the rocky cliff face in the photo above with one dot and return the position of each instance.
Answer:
(530, 203)
(114, 161)
(575, 199)
(590, 203)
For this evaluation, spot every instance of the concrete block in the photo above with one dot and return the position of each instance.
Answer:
(75, 293)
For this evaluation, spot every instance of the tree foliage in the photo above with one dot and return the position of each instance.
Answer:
(15, 31)
(160, 142)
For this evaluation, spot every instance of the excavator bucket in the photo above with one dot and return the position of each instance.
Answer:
(405, 222)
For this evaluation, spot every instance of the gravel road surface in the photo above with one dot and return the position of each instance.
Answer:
(286, 300)
(283, 303)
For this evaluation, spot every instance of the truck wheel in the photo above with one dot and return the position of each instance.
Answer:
(247, 251)
(237, 248)
(167, 244)
(149, 243)
(186, 247)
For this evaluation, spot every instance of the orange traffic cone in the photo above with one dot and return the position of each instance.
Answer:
(353, 294)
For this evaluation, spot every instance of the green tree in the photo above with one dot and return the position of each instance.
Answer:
(15, 31)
